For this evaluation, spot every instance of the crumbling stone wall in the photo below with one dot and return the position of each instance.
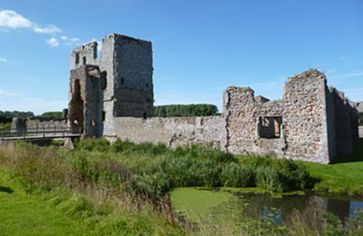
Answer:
(304, 121)
(345, 120)
(173, 131)
(112, 96)
(125, 64)
(86, 100)
(84, 55)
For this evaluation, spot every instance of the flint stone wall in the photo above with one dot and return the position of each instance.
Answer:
(85, 106)
(303, 132)
(126, 65)
(173, 131)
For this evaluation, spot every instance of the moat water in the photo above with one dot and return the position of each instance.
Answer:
(310, 207)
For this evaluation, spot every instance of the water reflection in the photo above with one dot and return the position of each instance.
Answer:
(311, 207)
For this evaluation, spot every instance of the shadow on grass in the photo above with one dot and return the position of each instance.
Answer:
(357, 154)
(6, 189)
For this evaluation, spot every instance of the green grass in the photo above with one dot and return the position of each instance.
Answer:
(22, 214)
(342, 178)
(65, 212)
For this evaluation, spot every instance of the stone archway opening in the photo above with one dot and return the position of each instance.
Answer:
(76, 111)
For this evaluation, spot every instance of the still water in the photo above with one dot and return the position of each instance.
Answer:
(309, 206)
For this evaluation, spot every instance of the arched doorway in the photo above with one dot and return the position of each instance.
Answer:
(76, 109)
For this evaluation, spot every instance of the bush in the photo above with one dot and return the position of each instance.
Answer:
(186, 110)
(150, 171)
(269, 178)
(234, 175)
(101, 145)
(146, 148)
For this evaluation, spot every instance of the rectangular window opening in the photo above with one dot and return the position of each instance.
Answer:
(269, 126)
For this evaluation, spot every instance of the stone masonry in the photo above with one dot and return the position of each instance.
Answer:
(310, 122)
(111, 96)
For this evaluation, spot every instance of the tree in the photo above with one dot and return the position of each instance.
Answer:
(185, 110)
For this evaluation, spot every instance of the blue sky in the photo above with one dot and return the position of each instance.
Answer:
(200, 47)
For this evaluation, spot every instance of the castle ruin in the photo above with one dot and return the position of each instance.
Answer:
(111, 96)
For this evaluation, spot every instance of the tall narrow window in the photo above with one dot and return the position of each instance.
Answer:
(84, 60)
(77, 58)
(104, 79)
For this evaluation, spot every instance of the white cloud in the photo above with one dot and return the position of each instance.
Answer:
(3, 59)
(69, 41)
(53, 42)
(12, 20)
(50, 29)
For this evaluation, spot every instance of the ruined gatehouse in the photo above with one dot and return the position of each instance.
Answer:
(111, 96)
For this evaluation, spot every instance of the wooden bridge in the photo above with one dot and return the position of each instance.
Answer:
(39, 134)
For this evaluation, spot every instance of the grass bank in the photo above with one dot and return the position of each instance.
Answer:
(22, 214)
(66, 212)
(124, 188)
(342, 178)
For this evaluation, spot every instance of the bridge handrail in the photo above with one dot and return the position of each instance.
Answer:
(5, 133)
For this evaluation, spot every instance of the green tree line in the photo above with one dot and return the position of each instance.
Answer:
(185, 110)
(7, 116)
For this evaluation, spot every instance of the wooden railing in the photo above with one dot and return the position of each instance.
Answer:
(39, 132)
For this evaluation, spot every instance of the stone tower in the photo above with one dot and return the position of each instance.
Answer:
(116, 83)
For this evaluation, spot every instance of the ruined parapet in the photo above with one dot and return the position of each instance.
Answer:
(86, 101)
(239, 111)
(305, 119)
(84, 55)
(261, 100)
(293, 127)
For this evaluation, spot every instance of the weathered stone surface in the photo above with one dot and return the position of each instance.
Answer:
(46, 124)
(86, 100)
(114, 98)
(173, 131)
(19, 125)
(123, 85)
(301, 121)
